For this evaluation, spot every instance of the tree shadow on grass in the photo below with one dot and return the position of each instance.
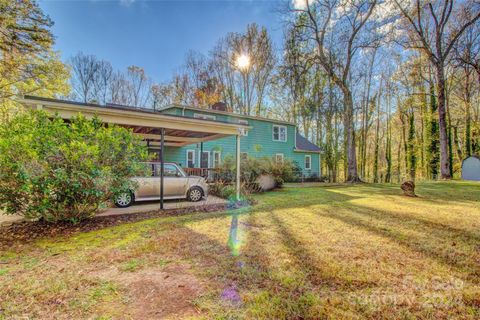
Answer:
(316, 271)
(243, 264)
(357, 216)
(430, 192)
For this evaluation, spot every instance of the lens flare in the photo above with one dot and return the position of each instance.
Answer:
(243, 61)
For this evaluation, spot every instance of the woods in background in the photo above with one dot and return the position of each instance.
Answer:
(389, 90)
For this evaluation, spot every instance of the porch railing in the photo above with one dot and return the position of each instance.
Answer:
(210, 174)
(216, 174)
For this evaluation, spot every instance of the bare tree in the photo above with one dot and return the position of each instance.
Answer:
(245, 88)
(84, 68)
(162, 95)
(345, 19)
(118, 89)
(467, 50)
(294, 69)
(138, 86)
(102, 77)
(430, 28)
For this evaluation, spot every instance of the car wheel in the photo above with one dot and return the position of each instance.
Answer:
(195, 194)
(124, 200)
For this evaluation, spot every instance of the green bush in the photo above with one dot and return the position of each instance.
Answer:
(252, 168)
(222, 189)
(58, 171)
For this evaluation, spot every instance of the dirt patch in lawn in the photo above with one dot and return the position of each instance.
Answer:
(27, 231)
(157, 293)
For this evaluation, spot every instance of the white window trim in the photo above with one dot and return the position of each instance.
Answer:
(219, 158)
(194, 160)
(281, 155)
(204, 116)
(273, 133)
(244, 122)
(309, 162)
(200, 158)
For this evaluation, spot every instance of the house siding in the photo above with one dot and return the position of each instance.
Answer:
(258, 143)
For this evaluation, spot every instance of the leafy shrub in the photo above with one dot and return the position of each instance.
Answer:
(227, 190)
(252, 168)
(57, 171)
(222, 189)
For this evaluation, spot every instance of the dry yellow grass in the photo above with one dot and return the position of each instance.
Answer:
(340, 252)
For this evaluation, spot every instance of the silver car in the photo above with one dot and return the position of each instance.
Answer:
(178, 185)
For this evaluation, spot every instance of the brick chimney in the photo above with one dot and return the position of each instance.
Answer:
(219, 106)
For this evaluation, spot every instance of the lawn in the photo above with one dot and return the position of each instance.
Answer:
(341, 252)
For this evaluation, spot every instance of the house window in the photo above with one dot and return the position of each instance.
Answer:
(279, 133)
(308, 162)
(244, 122)
(279, 158)
(216, 159)
(204, 116)
(190, 158)
(243, 155)
(204, 159)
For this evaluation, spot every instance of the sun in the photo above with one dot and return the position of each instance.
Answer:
(243, 61)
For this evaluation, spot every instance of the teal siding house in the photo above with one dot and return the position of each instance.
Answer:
(199, 139)
(266, 138)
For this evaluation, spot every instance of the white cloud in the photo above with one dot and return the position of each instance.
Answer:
(127, 3)
(300, 4)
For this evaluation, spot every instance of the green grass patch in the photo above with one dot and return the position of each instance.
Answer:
(132, 265)
(328, 251)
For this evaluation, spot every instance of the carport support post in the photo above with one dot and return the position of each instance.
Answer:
(162, 167)
(238, 168)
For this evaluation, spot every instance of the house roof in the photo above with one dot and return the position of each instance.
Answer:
(226, 113)
(148, 124)
(302, 144)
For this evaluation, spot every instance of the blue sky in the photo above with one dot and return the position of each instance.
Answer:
(155, 35)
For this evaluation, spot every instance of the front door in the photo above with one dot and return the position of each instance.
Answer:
(205, 159)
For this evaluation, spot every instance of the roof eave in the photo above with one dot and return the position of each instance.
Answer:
(226, 113)
(311, 151)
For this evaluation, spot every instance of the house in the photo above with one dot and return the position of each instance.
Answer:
(471, 168)
(158, 131)
(265, 138)
(198, 138)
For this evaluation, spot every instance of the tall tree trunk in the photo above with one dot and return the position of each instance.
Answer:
(442, 121)
(423, 131)
(433, 151)
(377, 129)
(412, 158)
(399, 153)
(404, 138)
(335, 145)
(456, 141)
(468, 118)
(388, 151)
(450, 139)
(352, 174)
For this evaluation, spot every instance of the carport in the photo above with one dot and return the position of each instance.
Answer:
(157, 130)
